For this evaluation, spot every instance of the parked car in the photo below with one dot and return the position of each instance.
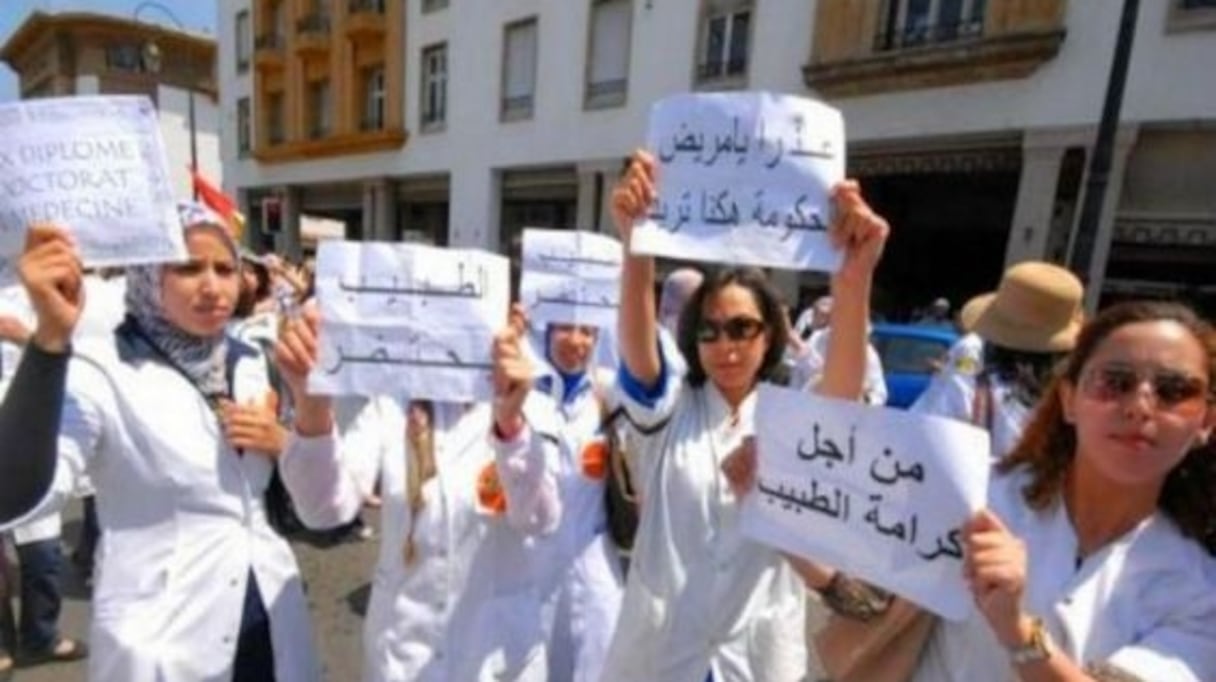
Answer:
(910, 355)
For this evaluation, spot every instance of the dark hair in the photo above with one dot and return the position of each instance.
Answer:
(1049, 443)
(1026, 374)
(767, 300)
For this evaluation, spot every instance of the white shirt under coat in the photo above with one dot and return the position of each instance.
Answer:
(699, 595)
(1145, 603)
(469, 606)
(183, 524)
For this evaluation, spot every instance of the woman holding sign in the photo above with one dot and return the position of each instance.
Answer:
(169, 417)
(464, 486)
(1090, 562)
(700, 598)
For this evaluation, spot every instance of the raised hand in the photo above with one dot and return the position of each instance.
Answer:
(858, 231)
(295, 353)
(512, 381)
(634, 194)
(51, 272)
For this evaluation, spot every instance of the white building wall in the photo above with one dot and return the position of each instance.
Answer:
(1066, 93)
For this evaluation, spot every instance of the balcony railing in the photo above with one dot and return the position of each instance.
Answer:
(365, 7)
(313, 24)
(917, 36)
(268, 41)
(721, 68)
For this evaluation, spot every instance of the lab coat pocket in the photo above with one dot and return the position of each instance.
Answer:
(508, 638)
(777, 642)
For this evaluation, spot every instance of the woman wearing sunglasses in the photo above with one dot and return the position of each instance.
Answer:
(1090, 563)
(700, 599)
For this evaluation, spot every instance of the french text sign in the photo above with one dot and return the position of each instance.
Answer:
(570, 277)
(745, 178)
(407, 319)
(95, 166)
(875, 492)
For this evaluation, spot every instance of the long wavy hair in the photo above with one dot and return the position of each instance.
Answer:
(767, 301)
(1048, 444)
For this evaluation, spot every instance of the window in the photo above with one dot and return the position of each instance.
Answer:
(724, 45)
(244, 141)
(519, 70)
(319, 107)
(275, 132)
(1191, 15)
(909, 23)
(434, 86)
(608, 53)
(373, 98)
(241, 35)
(124, 58)
(434, 5)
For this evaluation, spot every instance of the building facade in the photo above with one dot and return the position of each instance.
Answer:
(79, 53)
(970, 122)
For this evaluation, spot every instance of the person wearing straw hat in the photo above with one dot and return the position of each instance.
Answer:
(1026, 325)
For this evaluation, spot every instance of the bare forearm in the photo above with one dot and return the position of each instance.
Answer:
(637, 327)
(845, 364)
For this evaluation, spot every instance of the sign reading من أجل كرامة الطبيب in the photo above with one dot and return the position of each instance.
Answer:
(878, 493)
(94, 165)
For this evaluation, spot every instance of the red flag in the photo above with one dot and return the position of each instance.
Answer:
(217, 201)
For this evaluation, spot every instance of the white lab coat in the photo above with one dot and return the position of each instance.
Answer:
(585, 563)
(955, 398)
(469, 607)
(182, 523)
(699, 595)
(807, 371)
(1145, 603)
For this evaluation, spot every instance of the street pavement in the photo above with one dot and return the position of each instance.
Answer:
(336, 579)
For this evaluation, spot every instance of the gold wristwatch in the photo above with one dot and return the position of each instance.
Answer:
(1038, 648)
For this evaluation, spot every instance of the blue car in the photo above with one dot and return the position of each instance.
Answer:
(910, 354)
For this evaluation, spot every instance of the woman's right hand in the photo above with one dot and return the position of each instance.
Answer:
(52, 274)
(634, 194)
(295, 353)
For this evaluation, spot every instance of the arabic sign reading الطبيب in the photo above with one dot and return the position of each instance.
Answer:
(407, 319)
(743, 178)
(878, 493)
(570, 277)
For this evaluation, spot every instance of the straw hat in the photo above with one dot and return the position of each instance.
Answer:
(1036, 308)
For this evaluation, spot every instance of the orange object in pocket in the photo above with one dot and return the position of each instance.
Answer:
(490, 494)
(594, 460)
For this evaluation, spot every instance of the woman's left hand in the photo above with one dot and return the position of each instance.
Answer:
(512, 377)
(739, 467)
(254, 426)
(995, 567)
(858, 231)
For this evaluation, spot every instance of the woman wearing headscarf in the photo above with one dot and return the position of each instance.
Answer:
(467, 491)
(168, 418)
(584, 569)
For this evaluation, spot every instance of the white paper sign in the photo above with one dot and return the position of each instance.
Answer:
(878, 493)
(744, 178)
(94, 165)
(570, 277)
(407, 319)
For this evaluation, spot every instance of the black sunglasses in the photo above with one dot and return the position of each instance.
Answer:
(739, 328)
(1170, 388)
